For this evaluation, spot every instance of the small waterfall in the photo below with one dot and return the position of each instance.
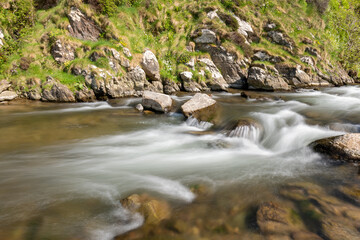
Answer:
(249, 132)
(193, 122)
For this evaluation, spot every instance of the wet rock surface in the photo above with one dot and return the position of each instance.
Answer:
(201, 106)
(156, 101)
(345, 147)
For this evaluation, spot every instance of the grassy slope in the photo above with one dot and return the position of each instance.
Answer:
(164, 27)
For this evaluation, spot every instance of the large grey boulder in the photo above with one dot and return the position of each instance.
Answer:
(170, 87)
(207, 37)
(85, 95)
(54, 91)
(261, 79)
(82, 27)
(202, 107)
(345, 147)
(156, 101)
(228, 64)
(7, 96)
(151, 66)
(62, 51)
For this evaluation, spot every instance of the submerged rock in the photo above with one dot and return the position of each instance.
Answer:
(202, 107)
(345, 147)
(153, 210)
(274, 219)
(157, 101)
(8, 96)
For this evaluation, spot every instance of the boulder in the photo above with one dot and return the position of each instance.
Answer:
(85, 95)
(81, 26)
(207, 37)
(279, 38)
(217, 82)
(345, 147)
(202, 107)
(7, 96)
(151, 66)
(261, 79)
(313, 51)
(227, 63)
(139, 107)
(188, 84)
(212, 14)
(294, 75)
(308, 60)
(127, 52)
(170, 87)
(62, 51)
(153, 210)
(157, 101)
(4, 85)
(138, 77)
(54, 91)
(262, 55)
(245, 28)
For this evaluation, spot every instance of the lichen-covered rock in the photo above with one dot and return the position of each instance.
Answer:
(244, 27)
(8, 96)
(261, 79)
(228, 64)
(81, 26)
(262, 55)
(202, 107)
(217, 82)
(207, 37)
(313, 51)
(62, 51)
(4, 85)
(157, 101)
(294, 75)
(188, 84)
(279, 38)
(127, 52)
(345, 147)
(170, 87)
(151, 66)
(85, 95)
(54, 91)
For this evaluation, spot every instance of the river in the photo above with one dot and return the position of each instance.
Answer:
(64, 167)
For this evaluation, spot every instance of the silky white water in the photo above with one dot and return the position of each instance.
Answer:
(67, 166)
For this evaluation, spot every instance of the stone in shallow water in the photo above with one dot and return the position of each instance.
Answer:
(345, 147)
(156, 101)
(201, 106)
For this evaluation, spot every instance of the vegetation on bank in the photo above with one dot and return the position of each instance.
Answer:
(30, 28)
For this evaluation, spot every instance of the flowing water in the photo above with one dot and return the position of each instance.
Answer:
(64, 167)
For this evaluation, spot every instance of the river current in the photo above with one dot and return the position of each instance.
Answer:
(64, 167)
